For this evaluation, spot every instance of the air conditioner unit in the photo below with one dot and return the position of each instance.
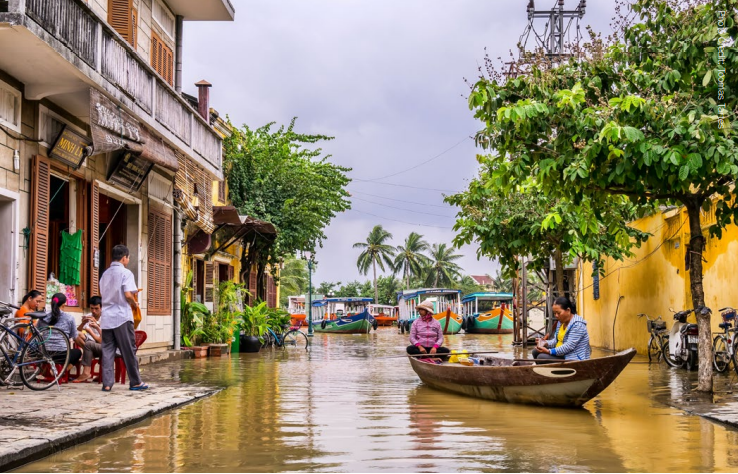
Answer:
(570, 266)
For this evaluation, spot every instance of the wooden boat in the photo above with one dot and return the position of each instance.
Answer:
(343, 316)
(446, 304)
(559, 384)
(488, 313)
(296, 308)
(385, 315)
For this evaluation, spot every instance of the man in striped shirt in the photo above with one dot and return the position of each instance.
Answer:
(426, 334)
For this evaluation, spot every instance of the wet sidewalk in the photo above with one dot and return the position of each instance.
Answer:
(720, 406)
(36, 424)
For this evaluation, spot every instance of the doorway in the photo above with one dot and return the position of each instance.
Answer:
(7, 248)
(113, 227)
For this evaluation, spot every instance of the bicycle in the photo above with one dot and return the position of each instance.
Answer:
(290, 336)
(724, 346)
(27, 354)
(657, 329)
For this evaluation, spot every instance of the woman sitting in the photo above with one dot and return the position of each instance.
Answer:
(55, 345)
(571, 340)
(426, 335)
(30, 303)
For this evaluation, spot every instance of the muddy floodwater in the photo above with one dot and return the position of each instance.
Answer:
(348, 405)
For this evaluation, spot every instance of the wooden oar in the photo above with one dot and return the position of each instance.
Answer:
(438, 355)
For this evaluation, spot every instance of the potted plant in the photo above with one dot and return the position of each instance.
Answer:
(254, 325)
(221, 325)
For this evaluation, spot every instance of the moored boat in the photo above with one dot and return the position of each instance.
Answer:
(558, 384)
(488, 313)
(386, 315)
(343, 316)
(446, 308)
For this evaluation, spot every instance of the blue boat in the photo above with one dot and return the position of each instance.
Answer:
(343, 316)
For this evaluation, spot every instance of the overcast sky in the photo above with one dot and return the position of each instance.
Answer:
(386, 78)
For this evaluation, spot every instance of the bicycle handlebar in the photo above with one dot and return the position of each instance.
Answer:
(9, 305)
(726, 308)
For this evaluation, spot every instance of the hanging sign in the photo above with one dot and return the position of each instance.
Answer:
(69, 148)
(130, 171)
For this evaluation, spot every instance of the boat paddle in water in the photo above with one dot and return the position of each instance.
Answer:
(569, 383)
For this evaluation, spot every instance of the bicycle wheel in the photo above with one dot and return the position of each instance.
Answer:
(11, 347)
(37, 368)
(653, 348)
(670, 360)
(295, 339)
(268, 340)
(720, 355)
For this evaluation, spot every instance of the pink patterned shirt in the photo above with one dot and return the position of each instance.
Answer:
(426, 333)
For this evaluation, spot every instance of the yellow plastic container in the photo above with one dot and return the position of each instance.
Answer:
(454, 358)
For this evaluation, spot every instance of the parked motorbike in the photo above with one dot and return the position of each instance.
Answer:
(681, 348)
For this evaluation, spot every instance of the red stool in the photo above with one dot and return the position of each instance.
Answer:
(120, 365)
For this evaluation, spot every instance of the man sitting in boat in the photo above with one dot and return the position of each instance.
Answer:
(571, 340)
(426, 334)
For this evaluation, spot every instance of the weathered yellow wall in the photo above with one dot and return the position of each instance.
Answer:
(655, 280)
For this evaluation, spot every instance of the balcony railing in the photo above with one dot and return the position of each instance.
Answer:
(77, 27)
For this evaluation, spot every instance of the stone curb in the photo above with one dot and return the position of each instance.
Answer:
(31, 449)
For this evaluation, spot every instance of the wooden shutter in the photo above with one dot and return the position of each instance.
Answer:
(160, 263)
(230, 272)
(209, 281)
(40, 186)
(221, 191)
(162, 58)
(252, 286)
(120, 18)
(271, 292)
(94, 234)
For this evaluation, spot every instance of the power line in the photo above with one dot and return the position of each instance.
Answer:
(424, 162)
(402, 208)
(397, 220)
(444, 206)
(403, 185)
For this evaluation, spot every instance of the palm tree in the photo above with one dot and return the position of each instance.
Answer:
(409, 260)
(442, 269)
(293, 278)
(376, 251)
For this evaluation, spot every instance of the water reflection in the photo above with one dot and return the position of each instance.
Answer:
(349, 406)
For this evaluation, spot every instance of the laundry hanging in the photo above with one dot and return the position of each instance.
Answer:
(70, 258)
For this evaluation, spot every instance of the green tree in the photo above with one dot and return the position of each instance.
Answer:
(327, 288)
(468, 285)
(376, 251)
(442, 269)
(280, 177)
(293, 279)
(351, 289)
(502, 284)
(410, 259)
(650, 117)
(388, 288)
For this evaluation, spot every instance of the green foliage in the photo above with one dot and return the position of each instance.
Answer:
(293, 278)
(327, 288)
(278, 319)
(388, 286)
(195, 314)
(220, 326)
(376, 251)
(645, 119)
(468, 285)
(355, 289)
(410, 260)
(276, 176)
(442, 271)
(254, 320)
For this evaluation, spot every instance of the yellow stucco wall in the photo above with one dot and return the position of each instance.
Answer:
(655, 280)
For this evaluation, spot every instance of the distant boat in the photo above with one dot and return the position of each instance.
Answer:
(296, 308)
(569, 383)
(446, 304)
(386, 315)
(343, 316)
(488, 313)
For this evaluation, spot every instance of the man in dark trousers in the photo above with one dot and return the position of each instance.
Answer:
(118, 287)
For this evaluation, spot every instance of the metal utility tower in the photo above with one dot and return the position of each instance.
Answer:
(557, 32)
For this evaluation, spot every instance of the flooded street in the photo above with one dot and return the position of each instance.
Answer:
(348, 405)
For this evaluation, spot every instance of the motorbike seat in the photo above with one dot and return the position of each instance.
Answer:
(688, 327)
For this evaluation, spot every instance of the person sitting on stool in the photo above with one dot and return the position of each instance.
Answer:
(426, 334)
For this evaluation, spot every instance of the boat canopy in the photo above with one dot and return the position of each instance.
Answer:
(410, 294)
(487, 296)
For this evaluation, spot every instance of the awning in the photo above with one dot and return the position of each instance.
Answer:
(226, 215)
(190, 179)
(115, 129)
(262, 227)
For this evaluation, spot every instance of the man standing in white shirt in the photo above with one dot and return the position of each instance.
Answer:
(118, 287)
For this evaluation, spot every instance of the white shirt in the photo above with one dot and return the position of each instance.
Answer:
(114, 283)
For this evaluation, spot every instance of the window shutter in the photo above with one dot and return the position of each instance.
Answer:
(162, 58)
(209, 281)
(230, 272)
(40, 184)
(94, 238)
(119, 17)
(221, 191)
(160, 263)
(252, 286)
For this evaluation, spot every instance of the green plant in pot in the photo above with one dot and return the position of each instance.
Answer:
(220, 326)
(195, 332)
(254, 325)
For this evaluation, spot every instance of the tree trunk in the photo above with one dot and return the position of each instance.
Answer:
(695, 249)
(407, 278)
(559, 261)
(376, 290)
